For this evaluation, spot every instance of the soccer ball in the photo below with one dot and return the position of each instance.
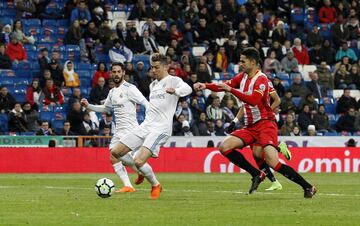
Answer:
(104, 187)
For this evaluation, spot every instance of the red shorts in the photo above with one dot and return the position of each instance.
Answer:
(263, 133)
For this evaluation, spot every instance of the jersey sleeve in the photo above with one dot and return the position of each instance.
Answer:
(136, 96)
(271, 87)
(181, 88)
(108, 103)
(235, 82)
(261, 85)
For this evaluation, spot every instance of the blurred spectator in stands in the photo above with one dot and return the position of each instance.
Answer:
(280, 89)
(153, 11)
(108, 121)
(105, 34)
(210, 128)
(278, 119)
(343, 79)
(300, 52)
(214, 111)
(92, 39)
(314, 37)
(315, 55)
(357, 121)
(75, 96)
(326, 79)
(199, 127)
(227, 96)
(286, 47)
(345, 102)
(296, 131)
(278, 50)
(81, 13)
(17, 122)
(70, 76)
(209, 61)
(120, 53)
(75, 118)
(90, 127)
(51, 95)
(177, 126)
(339, 31)
(56, 74)
(129, 70)
(195, 108)
(290, 63)
(311, 131)
(346, 123)
(321, 120)
(314, 86)
(74, 34)
(121, 31)
(15, 50)
(145, 82)
(31, 117)
(134, 42)
(184, 109)
(55, 56)
(310, 101)
(25, 9)
(217, 27)
(219, 128)
(69, 6)
(258, 45)
(344, 61)
(297, 88)
(5, 34)
(66, 130)
(99, 93)
(304, 119)
(202, 73)
(288, 126)
(202, 32)
(138, 12)
(141, 70)
(271, 64)
(101, 72)
(168, 11)
(98, 14)
(106, 131)
(149, 43)
(5, 61)
(353, 26)
(163, 35)
(327, 13)
(260, 33)
(44, 60)
(186, 129)
(295, 31)
(44, 130)
(327, 52)
(18, 33)
(7, 101)
(43, 77)
(355, 75)
(229, 110)
(33, 94)
(346, 51)
(279, 34)
(201, 100)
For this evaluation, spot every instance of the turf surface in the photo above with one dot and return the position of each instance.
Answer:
(187, 199)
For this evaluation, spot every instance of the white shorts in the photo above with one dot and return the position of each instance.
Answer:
(116, 139)
(152, 141)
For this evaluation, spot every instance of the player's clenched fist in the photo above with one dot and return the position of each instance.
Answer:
(84, 102)
(199, 86)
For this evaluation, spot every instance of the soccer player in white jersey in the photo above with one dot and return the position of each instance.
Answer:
(122, 99)
(165, 91)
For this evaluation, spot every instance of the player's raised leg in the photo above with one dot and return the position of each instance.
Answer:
(227, 149)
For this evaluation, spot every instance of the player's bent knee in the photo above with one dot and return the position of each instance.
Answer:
(113, 160)
(139, 162)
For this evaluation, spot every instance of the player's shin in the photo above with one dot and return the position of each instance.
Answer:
(120, 170)
(239, 160)
(292, 175)
(263, 166)
(148, 173)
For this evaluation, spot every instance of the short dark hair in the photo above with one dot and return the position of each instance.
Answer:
(252, 54)
(158, 57)
(118, 64)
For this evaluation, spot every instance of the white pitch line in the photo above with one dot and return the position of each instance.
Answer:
(193, 191)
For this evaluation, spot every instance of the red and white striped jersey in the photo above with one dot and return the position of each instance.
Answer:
(258, 83)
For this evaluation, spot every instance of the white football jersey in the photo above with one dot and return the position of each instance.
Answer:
(159, 115)
(123, 100)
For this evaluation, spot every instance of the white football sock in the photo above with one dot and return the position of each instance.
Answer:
(148, 173)
(129, 161)
(122, 173)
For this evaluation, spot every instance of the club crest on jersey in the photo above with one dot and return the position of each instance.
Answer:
(262, 87)
(164, 86)
(270, 84)
(121, 95)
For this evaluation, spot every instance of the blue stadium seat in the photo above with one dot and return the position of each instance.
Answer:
(85, 83)
(297, 15)
(32, 55)
(296, 101)
(64, 23)
(32, 22)
(35, 65)
(19, 97)
(282, 75)
(29, 47)
(22, 65)
(6, 20)
(330, 108)
(50, 23)
(7, 81)
(9, 13)
(83, 74)
(285, 83)
(57, 125)
(4, 122)
(46, 115)
(325, 31)
(331, 134)
(23, 73)
(21, 81)
(84, 66)
(6, 73)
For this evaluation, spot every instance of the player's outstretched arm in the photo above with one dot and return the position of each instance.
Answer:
(181, 89)
(253, 99)
(97, 108)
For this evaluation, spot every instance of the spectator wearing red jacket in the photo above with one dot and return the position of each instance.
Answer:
(33, 94)
(15, 50)
(51, 94)
(101, 72)
(327, 13)
(300, 52)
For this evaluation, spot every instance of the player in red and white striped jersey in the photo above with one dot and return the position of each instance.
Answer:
(252, 87)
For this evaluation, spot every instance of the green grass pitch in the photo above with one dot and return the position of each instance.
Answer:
(187, 199)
